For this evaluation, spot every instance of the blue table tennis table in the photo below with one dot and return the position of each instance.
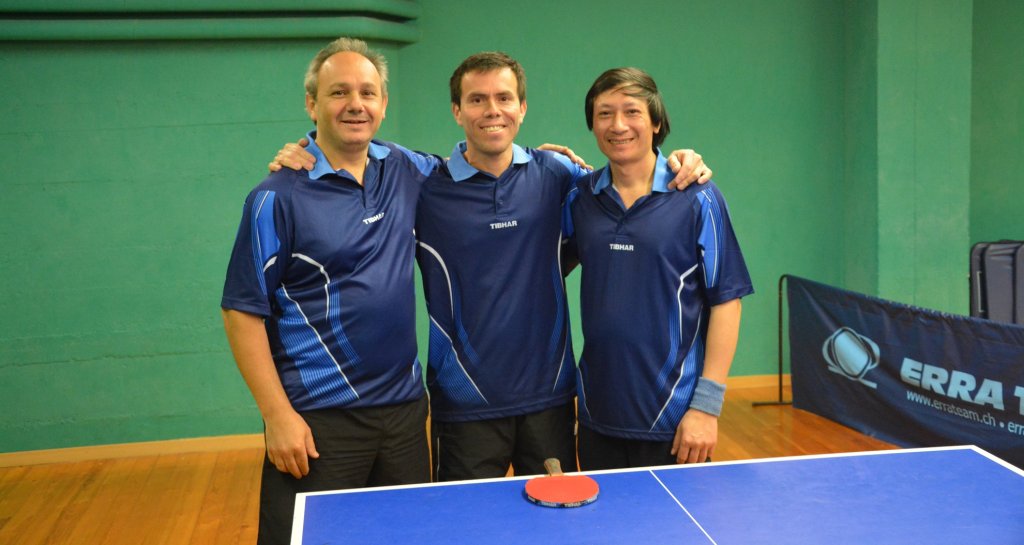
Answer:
(949, 495)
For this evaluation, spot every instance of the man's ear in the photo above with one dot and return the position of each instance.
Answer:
(311, 107)
(456, 110)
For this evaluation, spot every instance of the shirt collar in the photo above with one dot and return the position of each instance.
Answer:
(461, 170)
(376, 151)
(662, 176)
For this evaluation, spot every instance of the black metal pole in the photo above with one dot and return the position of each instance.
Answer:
(779, 401)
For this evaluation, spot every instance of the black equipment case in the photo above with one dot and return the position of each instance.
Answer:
(997, 281)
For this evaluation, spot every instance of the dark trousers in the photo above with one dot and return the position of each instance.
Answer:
(599, 451)
(372, 446)
(486, 448)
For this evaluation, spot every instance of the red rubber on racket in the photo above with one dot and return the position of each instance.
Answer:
(560, 490)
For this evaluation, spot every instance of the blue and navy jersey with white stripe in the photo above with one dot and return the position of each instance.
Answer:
(489, 254)
(329, 265)
(649, 277)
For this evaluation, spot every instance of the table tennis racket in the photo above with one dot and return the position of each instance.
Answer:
(557, 489)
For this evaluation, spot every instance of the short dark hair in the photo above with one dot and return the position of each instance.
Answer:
(485, 62)
(635, 83)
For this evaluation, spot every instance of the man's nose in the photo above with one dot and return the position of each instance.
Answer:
(618, 122)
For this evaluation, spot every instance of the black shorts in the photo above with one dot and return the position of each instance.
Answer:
(372, 446)
(486, 448)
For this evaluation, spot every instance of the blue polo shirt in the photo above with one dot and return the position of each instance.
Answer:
(649, 277)
(489, 254)
(328, 264)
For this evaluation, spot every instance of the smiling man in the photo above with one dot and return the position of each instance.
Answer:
(346, 100)
(490, 106)
(662, 277)
(488, 225)
(319, 304)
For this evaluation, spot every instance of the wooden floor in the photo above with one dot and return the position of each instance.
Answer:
(211, 497)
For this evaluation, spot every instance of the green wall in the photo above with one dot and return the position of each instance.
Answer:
(924, 108)
(997, 131)
(126, 165)
(126, 162)
(859, 193)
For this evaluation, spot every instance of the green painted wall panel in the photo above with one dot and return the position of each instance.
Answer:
(924, 129)
(127, 165)
(860, 185)
(111, 400)
(898, 36)
(997, 129)
(943, 136)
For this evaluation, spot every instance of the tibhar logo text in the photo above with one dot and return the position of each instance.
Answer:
(621, 247)
(504, 224)
(851, 355)
(373, 219)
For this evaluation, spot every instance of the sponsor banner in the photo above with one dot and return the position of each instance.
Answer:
(906, 375)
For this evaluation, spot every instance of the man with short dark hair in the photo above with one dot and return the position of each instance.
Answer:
(488, 228)
(662, 277)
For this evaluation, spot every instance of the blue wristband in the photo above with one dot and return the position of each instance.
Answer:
(708, 397)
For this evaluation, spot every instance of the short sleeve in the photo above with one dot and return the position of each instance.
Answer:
(254, 267)
(725, 272)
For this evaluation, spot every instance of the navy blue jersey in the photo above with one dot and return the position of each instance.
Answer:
(328, 264)
(489, 254)
(649, 277)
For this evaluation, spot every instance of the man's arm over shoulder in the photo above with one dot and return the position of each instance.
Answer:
(425, 163)
(564, 168)
(689, 167)
(295, 156)
(566, 151)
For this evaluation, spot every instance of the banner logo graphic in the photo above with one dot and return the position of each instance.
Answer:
(851, 354)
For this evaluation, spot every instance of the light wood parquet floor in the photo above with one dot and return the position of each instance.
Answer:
(211, 497)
